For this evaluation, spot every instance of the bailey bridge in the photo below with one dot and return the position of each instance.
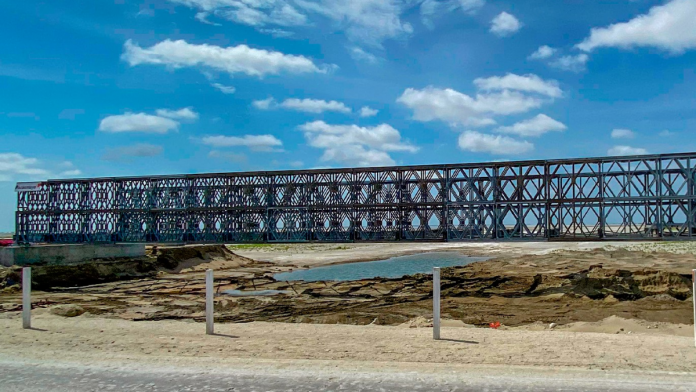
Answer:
(629, 197)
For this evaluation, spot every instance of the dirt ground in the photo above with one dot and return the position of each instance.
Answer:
(95, 340)
(622, 306)
(528, 283)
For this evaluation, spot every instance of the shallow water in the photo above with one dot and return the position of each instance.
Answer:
(259, 293)
(394, 267)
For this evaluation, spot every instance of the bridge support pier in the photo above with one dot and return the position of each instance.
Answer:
(67, 254)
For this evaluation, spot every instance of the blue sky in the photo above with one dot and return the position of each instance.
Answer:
(119, 87)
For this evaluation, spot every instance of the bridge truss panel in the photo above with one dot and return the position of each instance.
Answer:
(595, 198)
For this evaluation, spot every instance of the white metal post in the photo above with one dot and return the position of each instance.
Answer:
(26, 297)
(693, 296)
(209, 311)
(436, 303)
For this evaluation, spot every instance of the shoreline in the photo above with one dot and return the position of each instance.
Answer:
(308, 255)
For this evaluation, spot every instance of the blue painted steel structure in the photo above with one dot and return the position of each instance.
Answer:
(649, 196)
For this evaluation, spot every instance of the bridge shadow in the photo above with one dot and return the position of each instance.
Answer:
(222, 335)
(459, 341)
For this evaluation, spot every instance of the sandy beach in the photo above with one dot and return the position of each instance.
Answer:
(95, 340)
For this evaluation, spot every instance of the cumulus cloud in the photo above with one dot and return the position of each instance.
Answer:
(264, 104)
(543, 52)
(303, 105)
(266, 143)
(505, 25)
(138, 122)
(573, 63)
(533, 127)
(224, 89)
(17, 167)
(233, 60)
(141, 150)
(164, 121)
(430, 9)
(505, 95)
(626, 150)
(355, 145)
(13, 165)
(453, 107)
(367, 111)
(620, 133)
(314, 105)
(498, 144)
(668, 27)
(527, 83)
(181, 114)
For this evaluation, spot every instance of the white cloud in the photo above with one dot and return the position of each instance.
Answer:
(383, 136)
(314, 105)
(527, 83)
(454, 107)
(499, 145)
(626, 150)
(224, 89)
(138, 122)
(70, 173)
(66, 170)
(277, 33)
(357, 155)
(360, 54)
(141, 150)
(203, 18)
(302, 105)
(252, 13)
(430, 9)
(367, 22)
(264, 104)
(505, 25)
(573, 63)
(620, 133)
(367, 111)
(17, 167)
(669, 27)
(13, 165)
(181, 114)
(354, 145)
(543, 52)
(233, 59)
(263, 13)
(267, 143)
(533, 127)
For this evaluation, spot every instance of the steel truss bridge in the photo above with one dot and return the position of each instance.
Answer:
(631, 197)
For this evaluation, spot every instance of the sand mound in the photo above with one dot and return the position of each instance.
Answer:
(198, 258)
